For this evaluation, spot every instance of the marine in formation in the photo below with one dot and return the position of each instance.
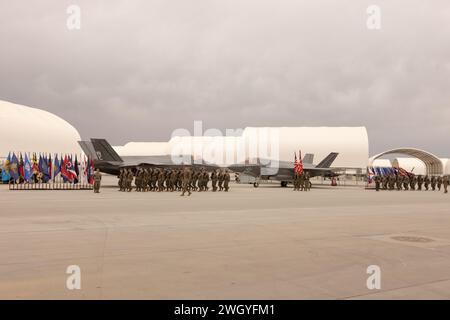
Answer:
(411, 182)
(185, 180)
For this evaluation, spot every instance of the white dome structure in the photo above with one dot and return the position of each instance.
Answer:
(25, 129)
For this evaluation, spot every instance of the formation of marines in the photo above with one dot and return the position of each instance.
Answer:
(302, 181)
(413, 182)
(166, 179)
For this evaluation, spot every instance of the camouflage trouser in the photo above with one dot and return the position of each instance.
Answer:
(225, 185)
(214, 185)
(186, 188)
(97, 186)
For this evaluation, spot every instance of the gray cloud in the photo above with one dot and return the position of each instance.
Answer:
(139, 69)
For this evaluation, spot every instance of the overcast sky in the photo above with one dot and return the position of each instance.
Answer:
(137, 70)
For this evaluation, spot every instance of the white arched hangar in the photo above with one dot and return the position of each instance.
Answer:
(25, 129)
(351, 143)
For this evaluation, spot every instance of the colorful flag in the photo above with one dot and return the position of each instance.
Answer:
(295, 162)
(56, 166)
(28, 170)
(14, 167)
(300, 163)
(50, 166)
(5, 169)
(21, 169)
(35, 165)
(77, 170)
(91, 172)
(67, 170)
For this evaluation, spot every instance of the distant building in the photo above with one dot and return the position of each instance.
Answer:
(266, 142)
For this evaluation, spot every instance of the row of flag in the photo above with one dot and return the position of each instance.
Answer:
(66, 167)
(298, 164)
(386, 171)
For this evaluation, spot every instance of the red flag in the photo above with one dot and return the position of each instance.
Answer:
(90, 176)
(35, 165)
(67, 170)
(49, 166)
(21, 166)
(300, 163)
(295, 162)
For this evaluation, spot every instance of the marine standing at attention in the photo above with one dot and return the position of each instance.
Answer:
(97, 181)
(445, 182)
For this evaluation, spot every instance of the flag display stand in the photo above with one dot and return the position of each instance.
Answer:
(50, 186)
(64, 172)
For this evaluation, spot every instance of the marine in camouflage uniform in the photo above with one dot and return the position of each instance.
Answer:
(167, 181)
(301, 181)
(406, 182)
(161, 178)
(205, 181)
(154, 179)
(426, 182)
(433, 183)
(307, 182)
(138, 180)
(392, 181)
(445, 182)
(296, 182)
(121, 180)
(220, 178)
(186, 179)
(439, 183)
(97, 181)
(377, 182)
(226, 180)
(146, 182)
(214, 180)
(385, 182)
(419, 182)
(398, 182)
(200, 180)
(192, 180)
(130, 177)
(412, 183)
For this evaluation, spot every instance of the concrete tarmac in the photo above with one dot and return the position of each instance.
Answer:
(264, 243)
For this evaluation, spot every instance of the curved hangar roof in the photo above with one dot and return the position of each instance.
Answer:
(25, 129)
(433, 165)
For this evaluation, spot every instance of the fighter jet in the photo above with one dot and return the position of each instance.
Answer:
(264, 169)
(107, 160)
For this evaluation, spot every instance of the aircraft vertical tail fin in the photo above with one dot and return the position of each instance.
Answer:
(308, 158)
(328, 161)
(104, 151)
(88, 149)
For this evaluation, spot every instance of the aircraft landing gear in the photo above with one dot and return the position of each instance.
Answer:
(255, 184)
(284, 184)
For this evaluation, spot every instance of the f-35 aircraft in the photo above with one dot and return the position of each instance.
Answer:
(264, 169)
(107, 160)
